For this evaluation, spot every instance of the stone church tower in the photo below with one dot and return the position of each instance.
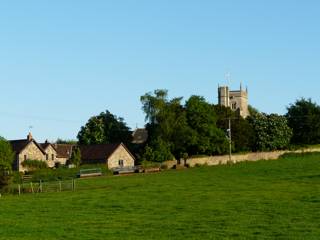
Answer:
(236, 100)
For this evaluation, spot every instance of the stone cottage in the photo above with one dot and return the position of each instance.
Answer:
(113, 155)
(30, 149)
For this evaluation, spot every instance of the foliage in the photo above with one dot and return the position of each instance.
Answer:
(148, 164)
(242, 132)
(252, 110)
(167, 127)
(206, 138)
(66, 141)
(76, 157)
(272, 131)
(104, 128)
(33, 165)
(304, 119)
(251, 200)
(6, 161)
(176, 129)
(159, 152)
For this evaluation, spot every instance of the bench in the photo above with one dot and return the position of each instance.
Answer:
(123, 170)
(93, 172)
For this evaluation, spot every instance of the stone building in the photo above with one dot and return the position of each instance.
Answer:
(236, 100)
(113, 155)
(30, 149)
(26, 149)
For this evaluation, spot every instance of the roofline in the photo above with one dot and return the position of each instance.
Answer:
(35, 142)
(124, 146)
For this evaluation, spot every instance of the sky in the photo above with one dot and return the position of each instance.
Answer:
(63, 61)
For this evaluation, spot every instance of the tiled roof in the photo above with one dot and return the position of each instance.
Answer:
(64, 150)
(19, 145)
(97, 152)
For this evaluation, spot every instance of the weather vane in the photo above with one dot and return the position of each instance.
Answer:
(227, 77)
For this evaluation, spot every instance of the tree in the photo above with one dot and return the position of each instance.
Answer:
(6, 161)
(66, 141)
(207, 138)
(243, 135)
(167, 125)
(272, 131)
(75, 158)
(304, 118)
(181, 129)
(104, 128)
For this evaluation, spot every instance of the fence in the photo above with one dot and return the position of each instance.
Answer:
(39, 187)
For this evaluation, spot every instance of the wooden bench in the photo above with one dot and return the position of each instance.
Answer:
(93, 172)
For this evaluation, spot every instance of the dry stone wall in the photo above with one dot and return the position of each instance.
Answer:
(224, 159)
(216, 160)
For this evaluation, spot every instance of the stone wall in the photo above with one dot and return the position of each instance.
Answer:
(120, 154)
(216, 160)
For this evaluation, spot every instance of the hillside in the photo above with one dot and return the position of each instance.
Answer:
(265, 199)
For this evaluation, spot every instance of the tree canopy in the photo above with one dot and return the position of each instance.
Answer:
(104, 128)
(177, 129)
(304, 118)
(6, 161)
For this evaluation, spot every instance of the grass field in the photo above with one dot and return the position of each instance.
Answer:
(262, 200)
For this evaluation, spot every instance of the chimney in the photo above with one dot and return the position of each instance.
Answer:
(29, 137)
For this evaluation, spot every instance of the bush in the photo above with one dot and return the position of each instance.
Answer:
(33, 165)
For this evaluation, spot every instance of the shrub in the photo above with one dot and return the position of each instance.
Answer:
(33, 165)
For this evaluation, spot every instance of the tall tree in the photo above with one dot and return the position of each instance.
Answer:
(207, 137)
(76, 157)
(104, 128)
(167, 124)
(6, 161)
(304, 118)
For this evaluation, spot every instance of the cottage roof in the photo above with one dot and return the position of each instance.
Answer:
(19, 145)
(100, 151)
(64, 150)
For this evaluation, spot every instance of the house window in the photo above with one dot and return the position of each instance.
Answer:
(234, 106)
(47, 157)
(25, 157)
(121, 163)
(52, 156)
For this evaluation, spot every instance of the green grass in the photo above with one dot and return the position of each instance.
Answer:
(262, 200)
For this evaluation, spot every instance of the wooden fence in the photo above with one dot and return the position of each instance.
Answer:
(39, 187)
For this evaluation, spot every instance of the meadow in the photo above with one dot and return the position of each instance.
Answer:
(277, 199)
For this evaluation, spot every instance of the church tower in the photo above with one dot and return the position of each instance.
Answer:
(237, 100)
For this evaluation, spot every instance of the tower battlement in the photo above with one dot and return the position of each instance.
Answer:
(235, 99)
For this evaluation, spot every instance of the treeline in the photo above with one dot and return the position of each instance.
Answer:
(180, 129)
(195, 127)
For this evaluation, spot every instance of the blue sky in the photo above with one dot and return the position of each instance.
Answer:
(64, 61)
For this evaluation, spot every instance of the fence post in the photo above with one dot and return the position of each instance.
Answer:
(73, 185)
(40, 187)
(19, 189)
(31, 187)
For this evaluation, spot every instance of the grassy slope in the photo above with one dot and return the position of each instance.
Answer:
(267, 199)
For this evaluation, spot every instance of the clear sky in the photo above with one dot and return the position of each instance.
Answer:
(64, 61)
